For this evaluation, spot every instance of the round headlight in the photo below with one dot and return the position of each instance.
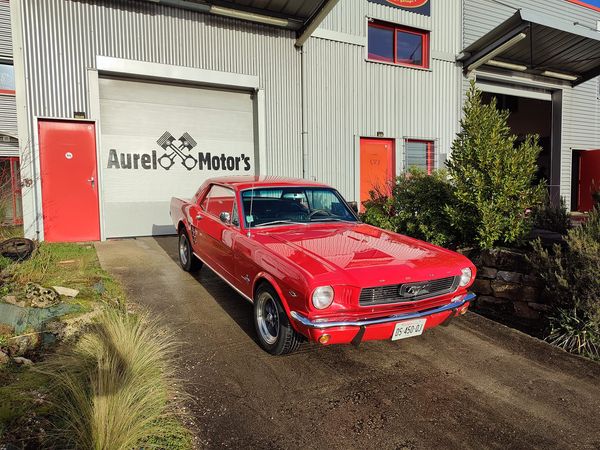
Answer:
(322, 297)
(465, 277)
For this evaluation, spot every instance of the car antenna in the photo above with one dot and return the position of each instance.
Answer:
(251, 204)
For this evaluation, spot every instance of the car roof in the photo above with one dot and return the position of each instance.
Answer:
(247, 182)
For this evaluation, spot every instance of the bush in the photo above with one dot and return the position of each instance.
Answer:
(494, 181)
(572, 284)
(552, 217)
(417, 207)
(114, 384)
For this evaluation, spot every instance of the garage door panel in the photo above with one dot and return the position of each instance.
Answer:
(168, 94)
(211, 123)
(203, 133)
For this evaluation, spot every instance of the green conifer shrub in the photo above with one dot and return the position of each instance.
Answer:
(494, 179)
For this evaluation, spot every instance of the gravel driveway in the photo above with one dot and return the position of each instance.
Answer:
(475, 384)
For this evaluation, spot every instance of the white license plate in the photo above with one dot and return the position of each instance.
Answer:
(408, 329)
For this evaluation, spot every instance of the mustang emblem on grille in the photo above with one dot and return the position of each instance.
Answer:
(413, 290)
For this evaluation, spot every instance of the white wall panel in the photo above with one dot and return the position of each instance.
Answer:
(63, 38)
(348, 97)
(5, 33)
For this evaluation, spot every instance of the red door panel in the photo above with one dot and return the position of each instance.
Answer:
(69, 181)
(589, 178)
(376, 166)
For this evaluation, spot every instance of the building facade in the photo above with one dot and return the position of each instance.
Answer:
(10, 191)
(122, 104)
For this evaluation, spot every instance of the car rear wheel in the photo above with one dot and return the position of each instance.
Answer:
(275, 333)
(187, 259)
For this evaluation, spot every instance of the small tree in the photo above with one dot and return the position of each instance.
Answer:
(494, 180)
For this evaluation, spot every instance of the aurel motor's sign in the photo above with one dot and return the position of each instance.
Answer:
(164, 140)
(417, 6)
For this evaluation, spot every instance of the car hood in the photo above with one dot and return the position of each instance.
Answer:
(365, 255)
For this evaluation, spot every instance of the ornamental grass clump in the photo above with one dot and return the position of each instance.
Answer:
(494, 178)
(114, 385)
(572, 286)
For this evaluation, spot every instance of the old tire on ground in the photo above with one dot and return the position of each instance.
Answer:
(275, 333)
(187, 260)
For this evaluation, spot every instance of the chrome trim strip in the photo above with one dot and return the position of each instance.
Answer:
(223, 278)
(456, 302)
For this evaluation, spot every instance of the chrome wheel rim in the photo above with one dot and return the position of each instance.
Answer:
(183, 250)
(267, 318)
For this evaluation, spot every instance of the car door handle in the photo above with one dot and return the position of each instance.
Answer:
(92, 181)
(198, 217)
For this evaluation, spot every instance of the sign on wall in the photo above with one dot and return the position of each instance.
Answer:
(162, 140)
(592, 4)
(416, 6)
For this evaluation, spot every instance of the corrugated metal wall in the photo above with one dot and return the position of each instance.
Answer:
(581, 107)
(348, 97)
(8, 108)
(63, 37)
(5, 35)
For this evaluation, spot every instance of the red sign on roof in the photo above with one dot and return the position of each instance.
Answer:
(416, 6)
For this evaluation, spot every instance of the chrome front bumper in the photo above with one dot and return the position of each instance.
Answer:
(456, 303)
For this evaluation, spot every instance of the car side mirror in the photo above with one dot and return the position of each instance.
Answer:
(354, 206)
(225, 217)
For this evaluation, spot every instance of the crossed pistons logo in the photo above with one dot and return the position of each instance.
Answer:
(173, 151)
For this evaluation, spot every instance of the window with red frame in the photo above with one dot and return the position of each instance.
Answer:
(7, 79)
(398, 45)
(420, 153)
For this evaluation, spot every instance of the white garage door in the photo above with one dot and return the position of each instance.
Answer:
(162, 140)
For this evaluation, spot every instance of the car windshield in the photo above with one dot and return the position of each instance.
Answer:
(285, 205)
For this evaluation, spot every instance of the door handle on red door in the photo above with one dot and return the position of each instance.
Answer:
(92, 181)
(198, 217)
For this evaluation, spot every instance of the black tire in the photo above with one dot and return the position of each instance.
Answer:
(187, 260)
(275, 334)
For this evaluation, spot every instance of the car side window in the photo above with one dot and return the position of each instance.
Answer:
(220, 200)
(204, 202)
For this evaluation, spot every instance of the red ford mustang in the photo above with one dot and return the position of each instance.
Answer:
(299, 253)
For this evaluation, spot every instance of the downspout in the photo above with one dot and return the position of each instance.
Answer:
(304, 119)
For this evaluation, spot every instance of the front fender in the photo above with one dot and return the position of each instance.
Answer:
(280, 292)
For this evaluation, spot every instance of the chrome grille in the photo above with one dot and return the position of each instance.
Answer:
(407, 292)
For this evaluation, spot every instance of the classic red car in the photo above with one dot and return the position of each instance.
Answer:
(298, 251)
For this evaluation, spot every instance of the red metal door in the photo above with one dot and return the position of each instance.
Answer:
(377, 169)
(69, 181)
(589, 178)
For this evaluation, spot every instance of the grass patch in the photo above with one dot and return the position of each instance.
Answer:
(21, 394)
(110, 386)
(11, 231)
(114, 385)
(70, 265)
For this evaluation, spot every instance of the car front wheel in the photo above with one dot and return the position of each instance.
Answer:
(187, 259)
(275, 333)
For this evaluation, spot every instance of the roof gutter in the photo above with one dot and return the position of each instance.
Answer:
(250, 16)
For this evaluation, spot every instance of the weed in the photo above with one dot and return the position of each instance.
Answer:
(575, 333)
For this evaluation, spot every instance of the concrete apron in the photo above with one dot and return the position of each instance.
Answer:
(474, 384)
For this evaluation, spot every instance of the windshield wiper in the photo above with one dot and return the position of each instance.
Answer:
(332, 219)
(275, 222)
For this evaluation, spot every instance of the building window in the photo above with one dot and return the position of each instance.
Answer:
(7, 79)
(11, 210)
(398, 45)
(420, 153)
